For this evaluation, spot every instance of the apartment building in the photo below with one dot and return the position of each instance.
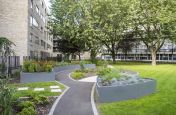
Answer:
(167, 53)
(25, 22)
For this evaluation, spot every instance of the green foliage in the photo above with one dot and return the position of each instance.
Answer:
(63, 63)
(6, 97)
(38, 66)
(106, 74)
(77, 75)
(16, 73)
(48, 68)
(26, 104)
(32, 68)
(104, 71)
(103, 63)
(39, 99)
(28, 111)
(160, 103)
(82, 67)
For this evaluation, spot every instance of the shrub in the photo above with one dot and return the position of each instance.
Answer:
(16, 74)
(104, 71)
(48, 67)
(6, 97)
(82, 67)
(40, 99)
(101, 63)
(26, 65)
(26, 104)
(28, 111)
(38, 66)
(32, 68)
(77, 75)
(63, 63)
(107, 74)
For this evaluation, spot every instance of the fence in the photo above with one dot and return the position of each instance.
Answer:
(13, 63)
(42, 58)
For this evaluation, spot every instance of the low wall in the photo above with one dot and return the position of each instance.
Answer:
(37, 77)
(73, 67)
(49, 76)
(125, 92)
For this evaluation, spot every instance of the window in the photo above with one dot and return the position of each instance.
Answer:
(37, 40)
(31, 21)
(35, 23)
(41, 29)
(30, 37)
(42, 4)
(37, 9)
(31, 3)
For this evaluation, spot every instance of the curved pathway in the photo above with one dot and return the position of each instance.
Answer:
(77, 100)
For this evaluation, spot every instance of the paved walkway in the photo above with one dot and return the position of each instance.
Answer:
(77, 100)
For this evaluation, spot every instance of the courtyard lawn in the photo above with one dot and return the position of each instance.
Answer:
(163, 102)
(45, 85)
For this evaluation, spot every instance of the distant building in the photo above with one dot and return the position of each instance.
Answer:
(24, 22)
(141, 53)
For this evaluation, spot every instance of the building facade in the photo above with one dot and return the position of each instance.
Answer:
(167, 53)
(25, 22)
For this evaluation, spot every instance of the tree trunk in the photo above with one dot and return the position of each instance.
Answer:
(93, 55)
(113, 56)
(113, 53)
(153, 53)
(79, 56)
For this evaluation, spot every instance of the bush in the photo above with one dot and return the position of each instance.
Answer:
(63, 63)
(77, 75)
(101, 63)
(107, 74)
(38, 66)
(48, 68)
(104, 71)
(26, 104)
(26, 65)
(16, 74)
(28, 111)
(82, 67)
(40, 99)
(6, 98)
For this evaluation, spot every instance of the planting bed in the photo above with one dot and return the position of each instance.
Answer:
(129, 86)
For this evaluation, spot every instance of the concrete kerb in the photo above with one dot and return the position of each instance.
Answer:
(69, 75)
(94, 108)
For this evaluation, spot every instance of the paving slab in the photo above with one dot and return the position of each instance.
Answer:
(54, 87)
(56, 90)
(23, 88)
(39, 89)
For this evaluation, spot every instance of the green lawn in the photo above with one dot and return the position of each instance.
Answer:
(46, 92)
(163, 102)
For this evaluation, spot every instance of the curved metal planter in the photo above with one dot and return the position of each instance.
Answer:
(37, 77)
(125, 92)
(49, 76)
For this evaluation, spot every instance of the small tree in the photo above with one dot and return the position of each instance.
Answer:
(154, 23)
(6, 51)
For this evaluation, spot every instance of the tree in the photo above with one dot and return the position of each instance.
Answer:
(127, 43)
(153, 21)
(67, 47)
(67, 24)
(6, 51)
(109, 21)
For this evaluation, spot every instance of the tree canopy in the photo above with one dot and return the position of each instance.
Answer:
(108, 23)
